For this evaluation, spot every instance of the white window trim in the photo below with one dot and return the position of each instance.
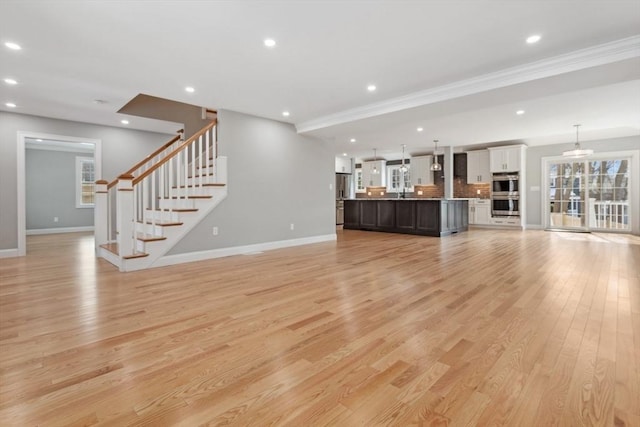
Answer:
(355, 184)
(79, 161)
(408, 189)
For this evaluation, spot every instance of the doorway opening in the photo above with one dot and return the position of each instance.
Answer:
(85, 155)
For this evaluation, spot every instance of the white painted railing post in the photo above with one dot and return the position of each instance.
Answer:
(101, 214)
(125, 215)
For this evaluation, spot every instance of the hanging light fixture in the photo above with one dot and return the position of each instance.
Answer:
(435, 166)
(403, 167)
(577, 152)
(375, 170)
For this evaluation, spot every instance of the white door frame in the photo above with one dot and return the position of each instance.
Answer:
(21, 175)
(634, 188)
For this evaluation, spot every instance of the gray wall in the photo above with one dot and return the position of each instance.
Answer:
(276, 177)
(50, 185)
(121, 148)
(534, 169)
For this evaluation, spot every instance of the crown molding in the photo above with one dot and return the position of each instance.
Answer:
(619, 50)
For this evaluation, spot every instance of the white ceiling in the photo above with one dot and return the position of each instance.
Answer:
(459, 69)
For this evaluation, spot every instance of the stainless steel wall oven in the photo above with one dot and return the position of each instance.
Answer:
(505, 194)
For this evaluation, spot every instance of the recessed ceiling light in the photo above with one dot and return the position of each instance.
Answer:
(13, 46)
(10, 105)
(189, 89)
(124, 122)
(344, 154)
(533, 39)
(39, 139)
(285, 113)
(419, 129)
(352, 140)
(371, 88)
(269, 42)
(520, 112)
(11, 81)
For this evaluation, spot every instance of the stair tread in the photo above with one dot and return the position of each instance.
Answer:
(185, 198)
(174, 210)
(161, 223)
(148, 238)
(113, 248)
(198, 176)
(212, 184)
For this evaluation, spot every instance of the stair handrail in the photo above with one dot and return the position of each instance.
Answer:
(174, 153)
(149, 157)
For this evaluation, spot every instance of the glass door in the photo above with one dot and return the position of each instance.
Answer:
(609, 195)
(588, 194)
(567, 195)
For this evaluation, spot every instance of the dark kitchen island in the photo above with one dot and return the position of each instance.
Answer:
(427, 217)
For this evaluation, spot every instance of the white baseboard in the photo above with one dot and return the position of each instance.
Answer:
(240, 250)
(58, 230)
(534, 227)
(8, 253)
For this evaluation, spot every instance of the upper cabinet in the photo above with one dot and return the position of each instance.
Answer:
(478, 167)
(421, 173)
(506, 159)
(373, 173)
(343, 165)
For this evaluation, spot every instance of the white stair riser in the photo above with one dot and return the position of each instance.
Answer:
(177, 203)
(165, 216)
(150, 229)
(198, 191)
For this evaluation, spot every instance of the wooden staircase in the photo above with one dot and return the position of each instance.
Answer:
(146, 211)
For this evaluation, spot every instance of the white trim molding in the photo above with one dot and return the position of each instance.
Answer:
(619, 50)
(22, 136)
(9, 253)
(240, 250)
(58, 230)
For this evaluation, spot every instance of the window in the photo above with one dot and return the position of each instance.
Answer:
(359, 184)
(85, 182)
(395, 176)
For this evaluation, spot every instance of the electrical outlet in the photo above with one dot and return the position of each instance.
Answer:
(215, 231)
(291, 226)
(55, 219)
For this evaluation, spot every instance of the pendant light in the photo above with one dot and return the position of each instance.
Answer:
(435, 166)
(375, 170)
(403, 167)
(577, 152)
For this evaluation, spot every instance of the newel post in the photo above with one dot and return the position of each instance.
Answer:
(124, 215)
(101, 214)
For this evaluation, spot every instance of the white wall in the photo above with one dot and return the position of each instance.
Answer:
(276, 178)
(51, 190)
(121, 148)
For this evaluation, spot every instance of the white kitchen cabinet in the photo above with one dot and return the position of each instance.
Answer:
(421, 173)
(480, 212)
(343, 165)
(371, 179)
(478, 167)
(506, 159)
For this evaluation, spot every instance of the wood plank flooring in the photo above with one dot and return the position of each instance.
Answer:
(488, 327)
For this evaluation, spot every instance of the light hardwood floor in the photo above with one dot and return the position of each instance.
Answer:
(483, 328)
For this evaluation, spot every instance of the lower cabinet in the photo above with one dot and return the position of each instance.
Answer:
(480, 212)
(414, 216)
